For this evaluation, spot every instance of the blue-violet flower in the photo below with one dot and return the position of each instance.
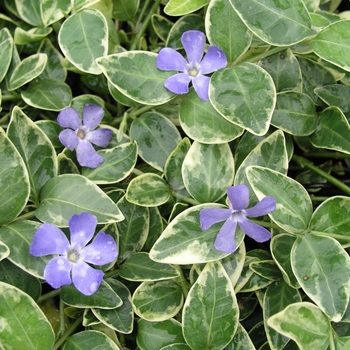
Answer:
(80, 133)
(238, 199)
(71, 262)
(193, 42)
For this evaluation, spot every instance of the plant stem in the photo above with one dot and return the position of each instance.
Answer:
(267, 53)
(49, 295)
(25, 216)
(183, 281)
(136, 112)
(265, 224)
(68, 332)
(307, 164)
(183, 198)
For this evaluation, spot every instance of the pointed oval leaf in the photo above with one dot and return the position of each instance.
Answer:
(207, 171)
(333, 131)
(48, 94)
(148, 190)
(202, 123)
(268, 18)
(14, 181)
(118, 163)
(36, 331)
(337, 95)
(156, 138)
(91, 339)
(139, 267)
(158, 300)
(184, 242)
(36, 151)
(241, 340)
(293, 212)
(125, 10)
(210, 303)
(332, 44)
(181, 7)
(322, 268)
(53, 10)
(58, 202)
(83, 37)
(23, 37)
(135, 74)
(6, 47)
(27, 70)
(4, 251)
(305, 323)
(226, 30)
(29, 12)
(245, 95)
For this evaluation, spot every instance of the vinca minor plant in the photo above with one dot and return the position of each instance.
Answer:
(174, 175)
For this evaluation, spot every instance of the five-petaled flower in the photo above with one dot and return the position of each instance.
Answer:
(80, 133)
(71, 262)
(193, 42)
(238, 198)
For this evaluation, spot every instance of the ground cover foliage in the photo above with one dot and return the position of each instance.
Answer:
(274, 119)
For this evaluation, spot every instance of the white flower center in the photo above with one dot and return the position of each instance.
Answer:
(192, 69)
(82, 132)
(73, 256)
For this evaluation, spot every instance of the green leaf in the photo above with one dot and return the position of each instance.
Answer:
(337, 95)
(156, 138)
(14, 181)
(133, 230)
(202, 123)
(125, 10)
(155, 335)
(148, 190)
(277, 297)
(4, 251)
(184, 242)
(29, 12)
(157, 300)
(241, 340)
(333, 131)
(304, 323)
(139, 267)
(27, 70)
(293, 212)
(29, 331)
(92, 340)
(207, 171)
(332, 218)
(18, 236)
(120, 319)
(161, 26)
(266, 269)
(245, 95)
(58, 202)
(136, 75)
(284, 70)
(118, 163)
(268, 18)
(211, 302)
(226, 30)
(104, 298)
(233, 264)
(51, 130)
(23, 37)
(36, 151)
(6, 47)
(332, 44)
(83, 37)
(181, 7)
(54, 10)
(48, 94)
(295, 113)
(322, 267)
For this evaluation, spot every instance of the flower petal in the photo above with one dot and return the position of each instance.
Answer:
(87, 156)
(178, 83)
(201, 86)
(265, 206)
(103, 250)
(68, 139)
(49, 239)
(82, 228)
(193, 42)
(238, 197)
(100, 137)
(225, 240)
(85, 278)
(92, 115)
(213, 60)
(210, 216)
(169, 59)
(57, 272)
(69, 118)
(258, 233)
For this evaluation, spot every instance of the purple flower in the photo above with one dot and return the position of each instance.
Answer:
(193, 42)
(71, 262)
(80, 133)
(238, 198)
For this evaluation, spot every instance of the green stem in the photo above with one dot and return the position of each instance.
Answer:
(183, 198)
(307, 164)
(145, 6)
(328, 234)
(265, 224)
(62, 323)
(328, 155)
(137, 172)
(267, 53)
(49, 295)
(145, 24)
(25, 216)
(136, 112)
(112, 273)
(183, 281)
(68, 332)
